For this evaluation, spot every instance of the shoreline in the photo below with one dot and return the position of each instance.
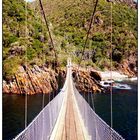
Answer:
(115, 75)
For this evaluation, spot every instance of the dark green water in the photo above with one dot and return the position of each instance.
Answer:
(124, 111)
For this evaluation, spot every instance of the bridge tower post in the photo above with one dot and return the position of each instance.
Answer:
(69, 61)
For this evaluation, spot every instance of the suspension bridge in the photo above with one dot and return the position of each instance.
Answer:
(68, 117)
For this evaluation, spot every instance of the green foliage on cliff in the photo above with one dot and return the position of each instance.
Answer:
(25, 38)
(71, 20)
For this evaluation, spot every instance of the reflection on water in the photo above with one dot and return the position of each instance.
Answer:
(124, 111)
(13, 112)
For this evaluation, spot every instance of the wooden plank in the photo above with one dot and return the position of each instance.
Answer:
(79, 131)
(63, 137)
(67, 120)
(70, 127)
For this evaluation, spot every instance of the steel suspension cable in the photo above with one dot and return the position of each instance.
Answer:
(111, 114)
(49, 32)
(26, 97)
(88, 88)
(47, 25)
(50, 36)
(43, 94)
(93, 107)
(87, 36)
(88, 32)
(85, 111)
(91, 97)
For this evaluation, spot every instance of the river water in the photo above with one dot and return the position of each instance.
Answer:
(124, 111)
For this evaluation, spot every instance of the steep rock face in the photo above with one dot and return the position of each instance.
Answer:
(32, 80)
(37, 80)
(129, 66)
(87, 81)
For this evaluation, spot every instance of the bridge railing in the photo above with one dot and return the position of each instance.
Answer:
(42, 126)
(96, 127)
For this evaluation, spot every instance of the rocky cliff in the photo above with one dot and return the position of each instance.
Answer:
(87, 81)
(33, 80)
(37, 80)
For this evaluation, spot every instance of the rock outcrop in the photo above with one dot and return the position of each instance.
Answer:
(129, 67)
(35, 80)
(87, 81)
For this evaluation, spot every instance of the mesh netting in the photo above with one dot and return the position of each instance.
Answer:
(42, 126)
(96, 127)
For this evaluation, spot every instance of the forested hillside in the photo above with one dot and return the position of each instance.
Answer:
(27, 43)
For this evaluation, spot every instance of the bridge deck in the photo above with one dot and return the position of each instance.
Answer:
(69, 126)
(66, 122)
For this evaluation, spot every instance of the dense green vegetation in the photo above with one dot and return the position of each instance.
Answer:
(23, 42)
(28, 43)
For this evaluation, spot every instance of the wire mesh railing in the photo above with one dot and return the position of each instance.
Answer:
(42, 125)
(96, 127)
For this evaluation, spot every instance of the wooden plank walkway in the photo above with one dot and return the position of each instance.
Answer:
(69, 126)
(72, 129)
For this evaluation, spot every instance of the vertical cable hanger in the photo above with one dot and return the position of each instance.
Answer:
(85, 111)
(43, 59)
(88, 32)
(87, 35)
(49, 32)
(88, 87)
(111, 114)
(54, 90)
(93, 107)
(26, 96)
